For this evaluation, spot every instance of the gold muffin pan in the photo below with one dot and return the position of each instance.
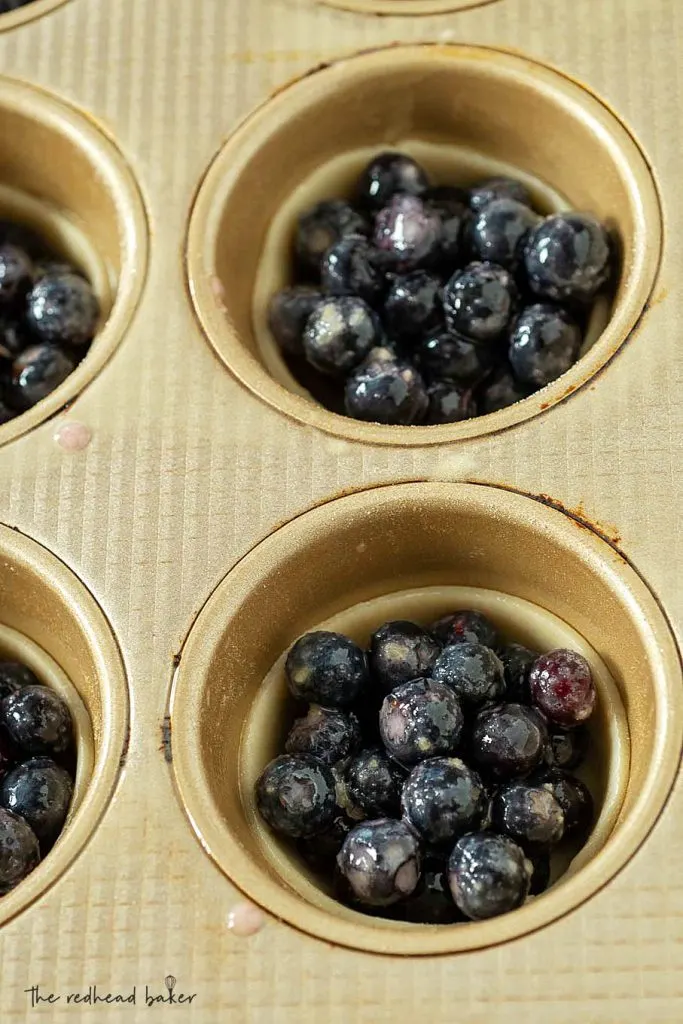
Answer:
(201, 510)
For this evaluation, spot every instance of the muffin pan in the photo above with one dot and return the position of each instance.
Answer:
(179, 511)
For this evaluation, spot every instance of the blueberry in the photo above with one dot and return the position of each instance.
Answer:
(320, 851)
(442, 799)
(451, 206)
(449, 403)
(540, 879)
(35, 374)
(567, 747)
(499, 231)
(62, 309)
(413, 304)
(326, 668)
(509, 740)
(528, 814)
(38, 720)
(407, 234)
(339, 333)
(381, 861)
(16, 274)
(13, 676)
(488, 875)
(562, 687)
(544, 343)
(401, 651)
(465, 627)
(349, 268)
(432, 903)
(498, 188)
(501, 391)
(479, 301)
(420, 719)
(517, 661)
(326, 733)
(450, 357)
(40, 792)
(287, 315)
(374, 783)
(385, 389)
(387, 174)
(573, 797)
(19, 850)
(295, 795)
(472, 671)
(321, 227)
(567, 257)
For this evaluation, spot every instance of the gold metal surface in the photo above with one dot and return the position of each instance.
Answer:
(168, 527)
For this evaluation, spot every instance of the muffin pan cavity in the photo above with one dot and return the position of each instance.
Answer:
(416, 551)
(51, 623)
(474, 112)
(64, 178)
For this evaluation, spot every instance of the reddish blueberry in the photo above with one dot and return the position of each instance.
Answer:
(562, 687)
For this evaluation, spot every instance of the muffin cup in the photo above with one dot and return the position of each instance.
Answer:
(399, 551)
(474, 112)
(63, 176)
(52, 623)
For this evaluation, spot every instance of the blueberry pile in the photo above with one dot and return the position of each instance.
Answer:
(430, 777)
(48, 316)
(37, 765)
(416, 303)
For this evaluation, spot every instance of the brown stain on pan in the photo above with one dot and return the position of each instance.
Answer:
(577, 514)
